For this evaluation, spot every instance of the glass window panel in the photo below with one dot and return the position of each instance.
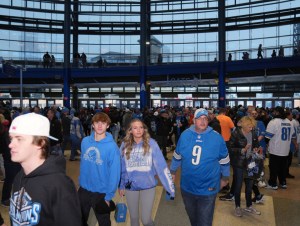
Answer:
(154, 89)
(231, 103)
(191, 89)
(243, 89)
(296, 94)
(214, 96)
(100, 104)
(249, 102)
(268, 104)
(166, 89)
(56, 90)
(118, 89)
(130, 89)
(231, 89)
(185, 96)
(105, 90)
(241, 102)
(259, 103)
(288, 104)
(278, 103)
(264, 95)
(206, 104)
(203, 89)
(156, 103)
(256, 88)
(82, 90)
(231, 96)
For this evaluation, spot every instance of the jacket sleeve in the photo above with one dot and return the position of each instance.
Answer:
(123, 168)
(162, 170)
(176, 159)
(58, 131)
(235, 151)
(224, 160)
(114, 166)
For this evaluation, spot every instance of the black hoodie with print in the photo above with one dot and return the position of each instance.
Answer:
(46, 196)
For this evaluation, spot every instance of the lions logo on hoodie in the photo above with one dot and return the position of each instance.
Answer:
(22, 210)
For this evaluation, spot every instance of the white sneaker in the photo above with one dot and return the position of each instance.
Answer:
(271, 187)
(262, 184)
(238, 212)
(250, 209)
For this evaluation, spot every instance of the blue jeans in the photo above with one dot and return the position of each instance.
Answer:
(115, 130)
(65, 142)
(200, 208)
(75, 145)
(239, 177)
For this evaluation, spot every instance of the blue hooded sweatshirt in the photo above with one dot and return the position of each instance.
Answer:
(100, 165)
(203, 159)
(140, 170)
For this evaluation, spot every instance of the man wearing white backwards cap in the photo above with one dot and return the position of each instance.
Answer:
(42, 193)
(203, 157)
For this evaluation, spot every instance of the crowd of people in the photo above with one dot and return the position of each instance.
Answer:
(260, 51)
(124, 150)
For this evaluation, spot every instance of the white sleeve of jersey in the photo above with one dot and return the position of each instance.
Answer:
(271, 129)
(297, 129)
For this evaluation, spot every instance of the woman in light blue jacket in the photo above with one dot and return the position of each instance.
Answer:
(141, 161)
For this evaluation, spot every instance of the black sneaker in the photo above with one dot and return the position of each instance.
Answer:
(290, 176)
(259, 199)
(283, 186)
(227, 197)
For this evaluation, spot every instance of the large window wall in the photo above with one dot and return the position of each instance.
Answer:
(187, 31)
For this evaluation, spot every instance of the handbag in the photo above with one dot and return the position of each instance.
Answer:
(121, 211)
(254, 166)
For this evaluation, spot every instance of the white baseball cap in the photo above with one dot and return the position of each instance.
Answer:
(199, 112)
(31, 124)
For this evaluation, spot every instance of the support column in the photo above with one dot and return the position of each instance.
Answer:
(222, 54)
(144, 51)
(67, 70)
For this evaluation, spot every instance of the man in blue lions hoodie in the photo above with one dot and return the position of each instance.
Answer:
(203, 157)
(99, 171)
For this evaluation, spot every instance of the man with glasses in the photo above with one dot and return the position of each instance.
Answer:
(202, 154)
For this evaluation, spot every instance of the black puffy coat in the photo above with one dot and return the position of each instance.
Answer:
(236, 143)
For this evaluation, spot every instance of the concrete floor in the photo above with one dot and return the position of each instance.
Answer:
(280, 208)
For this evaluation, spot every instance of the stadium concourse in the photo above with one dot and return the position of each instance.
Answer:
(280, 207)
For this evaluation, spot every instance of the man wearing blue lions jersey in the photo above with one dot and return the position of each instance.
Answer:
(203, 157)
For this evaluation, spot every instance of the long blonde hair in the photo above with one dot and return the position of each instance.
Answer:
(129, 140)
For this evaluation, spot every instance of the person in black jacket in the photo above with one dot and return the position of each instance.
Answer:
(245, 155)
(214, 122)
(55, 131)
(42, 193)
(11, 168)
(179, 123)
(163, 130)
(151, 121)
(66, 126)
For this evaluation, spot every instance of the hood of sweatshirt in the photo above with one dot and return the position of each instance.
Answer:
(52, 165)
(108, 138)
